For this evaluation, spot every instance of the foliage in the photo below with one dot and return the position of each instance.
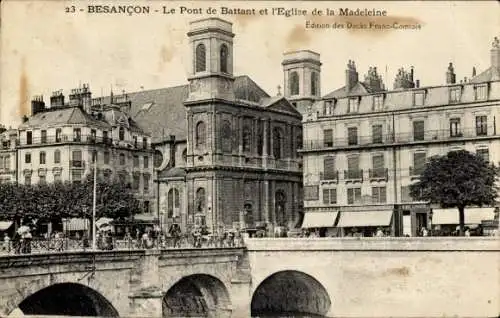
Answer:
(457, 179)
(62, 200)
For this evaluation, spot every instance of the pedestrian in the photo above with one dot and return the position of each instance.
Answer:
(467, 232)
(379, 233)
(6, 243)
(424, 231)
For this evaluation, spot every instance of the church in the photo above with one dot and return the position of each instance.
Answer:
(226, 151)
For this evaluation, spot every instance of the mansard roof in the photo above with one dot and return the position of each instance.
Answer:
(358, 89)
(490, 74)
(63, 116)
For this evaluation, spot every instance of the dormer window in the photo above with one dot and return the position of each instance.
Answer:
(353, 106)
(481, 92)
(329, 107)
(378, 102)
(455, 94)
(418, 98)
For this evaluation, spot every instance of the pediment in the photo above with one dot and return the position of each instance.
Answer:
(283, 105)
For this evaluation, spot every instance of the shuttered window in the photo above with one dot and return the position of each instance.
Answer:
(352, 134)
(354, 196)
(329, 168)
(379, 195)
(418, 130)
(328, 137)
(329, 196)
(377, 134)
(353, 168)
(418, 162)
(378, 166)
(311, 193)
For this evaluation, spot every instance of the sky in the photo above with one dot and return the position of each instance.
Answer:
(44, 49)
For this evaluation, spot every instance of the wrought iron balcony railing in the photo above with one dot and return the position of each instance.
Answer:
(379, 174)
(329, 176)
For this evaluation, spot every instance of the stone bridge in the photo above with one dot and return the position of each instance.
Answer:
(369, 277)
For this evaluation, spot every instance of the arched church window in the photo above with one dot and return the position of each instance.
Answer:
(277, 142)
(293, 83)
(226, 136)
(247, 139)
(201, 61)
(200, 134)
(314, 83)
(121, 133)
(173, 201)
(223, 58)
(200, 200)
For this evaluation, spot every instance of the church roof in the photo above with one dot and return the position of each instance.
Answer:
(63, 116)
(161, 112)
(490, 74)
(174, 172)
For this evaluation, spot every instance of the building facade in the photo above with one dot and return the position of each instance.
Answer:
(365, 145)
(65, 141)
(8, 155)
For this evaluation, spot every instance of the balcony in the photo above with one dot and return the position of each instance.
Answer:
(65, 139)
(77, 164)
(329, 176)
(378, 174)
(429, 136)
(353, 175)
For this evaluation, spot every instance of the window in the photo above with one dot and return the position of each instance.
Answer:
(57, 156)
(27, 158)
(105, 136)
(455, 127)
(43, 137)
(353, 195)
(57, 178)
(58, 134)
(455, 94)
(136, 180)
(146, 206)
(77, 134)
(328, 107)
(418, 99)
(146, 162)
(329, 196)
(328, 137)
(106, 157)
(121, 133)
(418, 130)
(329, 172)
(353, 171)
(29, 137)
(247, 139)
(352, 136)
(353, 106)
(136, 161)
(223, 58)
(42, 158)
(311, 192)
(200, 134)
(377, 134)
(378, 102)
(293, 82)
(481, 125)
(144, 143)
(200, 200)
(42, 179)
(27, 179)
(146, 182)
(200, 58)
(378, 166)
(93, 135)
(481, 92)
(76, 157)
(379, 195)
(419, 159)
(484, 154)
(227, 140)
(107, 174)
(173, 201)
(277, 143)
(94, 156)
(76, 176)
(314, 84)
(122, 159)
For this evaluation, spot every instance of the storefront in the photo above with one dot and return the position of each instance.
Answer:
(365, 223)
(446, 221)
(323, 221)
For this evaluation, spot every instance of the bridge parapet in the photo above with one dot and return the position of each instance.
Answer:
(402, 244)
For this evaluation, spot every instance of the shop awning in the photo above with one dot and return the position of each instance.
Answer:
(319, 219)
(145, 217)
(4, 225)
(75, 224)
(103, 221)
(472, 216)
(365, 218)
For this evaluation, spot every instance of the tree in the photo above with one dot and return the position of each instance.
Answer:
(457, 179)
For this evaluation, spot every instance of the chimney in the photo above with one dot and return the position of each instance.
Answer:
(57, 99)
(473, 71)
(351, 76)
(411, 74)
(495, 53)
(417, 83)
(37, 105)
(450, 75)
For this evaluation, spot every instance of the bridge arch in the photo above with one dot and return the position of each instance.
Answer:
(197, 295)
(70, 299)
(290, 292)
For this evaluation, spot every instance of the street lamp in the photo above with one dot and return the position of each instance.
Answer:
(93, 207)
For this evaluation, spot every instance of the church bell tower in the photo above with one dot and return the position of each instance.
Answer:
(211, 73)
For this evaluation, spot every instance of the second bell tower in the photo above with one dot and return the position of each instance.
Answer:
(211, 73)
